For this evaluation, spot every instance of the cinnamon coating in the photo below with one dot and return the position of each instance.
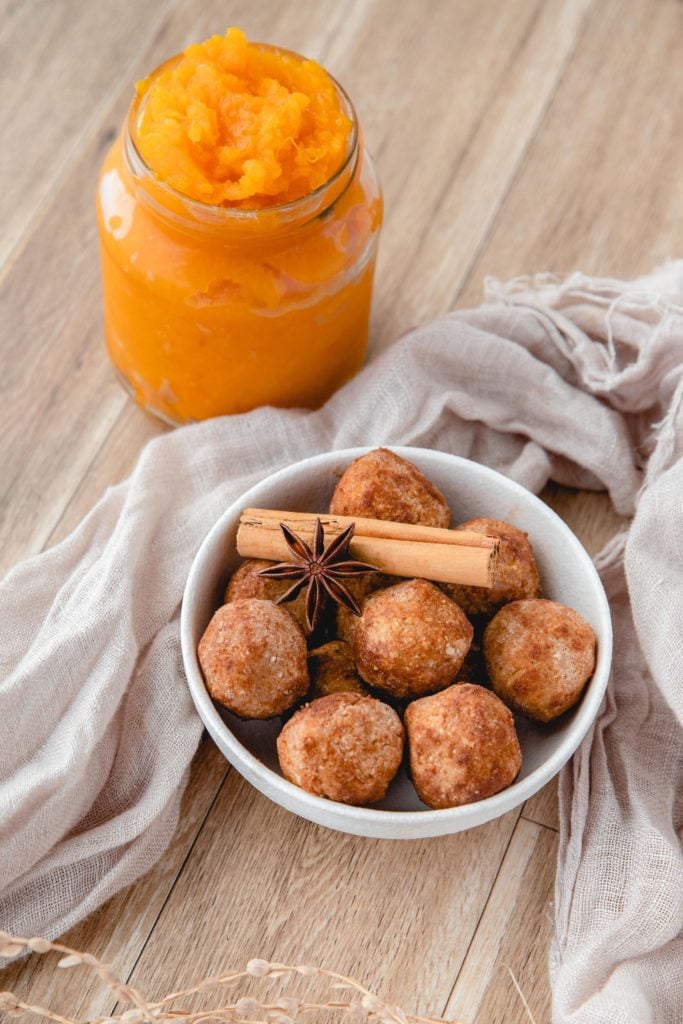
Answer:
(360, 588)
(411, 639)
(462, 745)
(246, 582)
(345, 747)
(540, 655)
(333, 670)
(516, 572)
(382, 485)
(253, 656)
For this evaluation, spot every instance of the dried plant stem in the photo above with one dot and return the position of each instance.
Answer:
(205, 986)
(36, 1010)
(521, 996)
(362, 1004)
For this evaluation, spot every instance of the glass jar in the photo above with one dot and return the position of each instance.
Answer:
(211, 310)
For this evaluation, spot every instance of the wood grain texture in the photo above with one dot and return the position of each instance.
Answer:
(543, 808)
(600, 189)
(52, 96)
(510, 137)
(118, 931)
(61, 400)
(512, 935)
(477, 143)
(364, 907)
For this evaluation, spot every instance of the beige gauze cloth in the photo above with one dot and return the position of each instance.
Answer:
(574, 379)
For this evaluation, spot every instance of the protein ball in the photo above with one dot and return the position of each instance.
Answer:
(516, 572)
(411, 639)
(333, 670)
(462, 745)
(539, 656)
(359, 588)
(246, 582)
(253, 656)
(382, 485)
(345, 747)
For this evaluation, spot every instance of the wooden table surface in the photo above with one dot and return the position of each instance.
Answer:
(511, 136)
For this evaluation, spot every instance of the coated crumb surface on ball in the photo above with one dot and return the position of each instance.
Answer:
(360, 588)
(344, 747)
(253, 656)
(462, 745)
(540, 655)
(516, 572)
(411, 639)
(382, 485)
(333, 670)
(245, 582)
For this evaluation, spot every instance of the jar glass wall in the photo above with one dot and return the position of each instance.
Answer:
(212, 310)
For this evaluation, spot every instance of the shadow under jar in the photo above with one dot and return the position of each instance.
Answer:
(211, 310)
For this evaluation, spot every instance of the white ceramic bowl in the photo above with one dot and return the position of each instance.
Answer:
(471, 490)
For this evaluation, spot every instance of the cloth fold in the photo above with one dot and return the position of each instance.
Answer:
(565, 378)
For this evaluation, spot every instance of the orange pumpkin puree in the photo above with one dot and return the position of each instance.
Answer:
(238, 300)
(234, 124)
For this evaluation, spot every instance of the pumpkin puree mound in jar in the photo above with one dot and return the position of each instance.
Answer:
(234, 124)
(239, 215)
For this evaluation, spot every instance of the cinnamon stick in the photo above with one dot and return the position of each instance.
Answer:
(397, 549)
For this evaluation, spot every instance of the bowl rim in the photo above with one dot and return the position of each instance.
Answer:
(346, 814)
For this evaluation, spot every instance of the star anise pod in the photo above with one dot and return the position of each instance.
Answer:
(321, 569)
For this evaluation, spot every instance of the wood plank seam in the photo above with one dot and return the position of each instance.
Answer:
(70, 157)
(479, 919)
(493, 98)
(106, 104)
(176, 877)
(543, 824)
(527, 154)
(69, 498)
(498, 966)
(514, 178)
(529, 27)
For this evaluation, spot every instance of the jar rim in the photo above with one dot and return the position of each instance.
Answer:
(140, 165)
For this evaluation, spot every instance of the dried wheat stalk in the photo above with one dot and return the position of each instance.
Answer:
(360, 1004)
